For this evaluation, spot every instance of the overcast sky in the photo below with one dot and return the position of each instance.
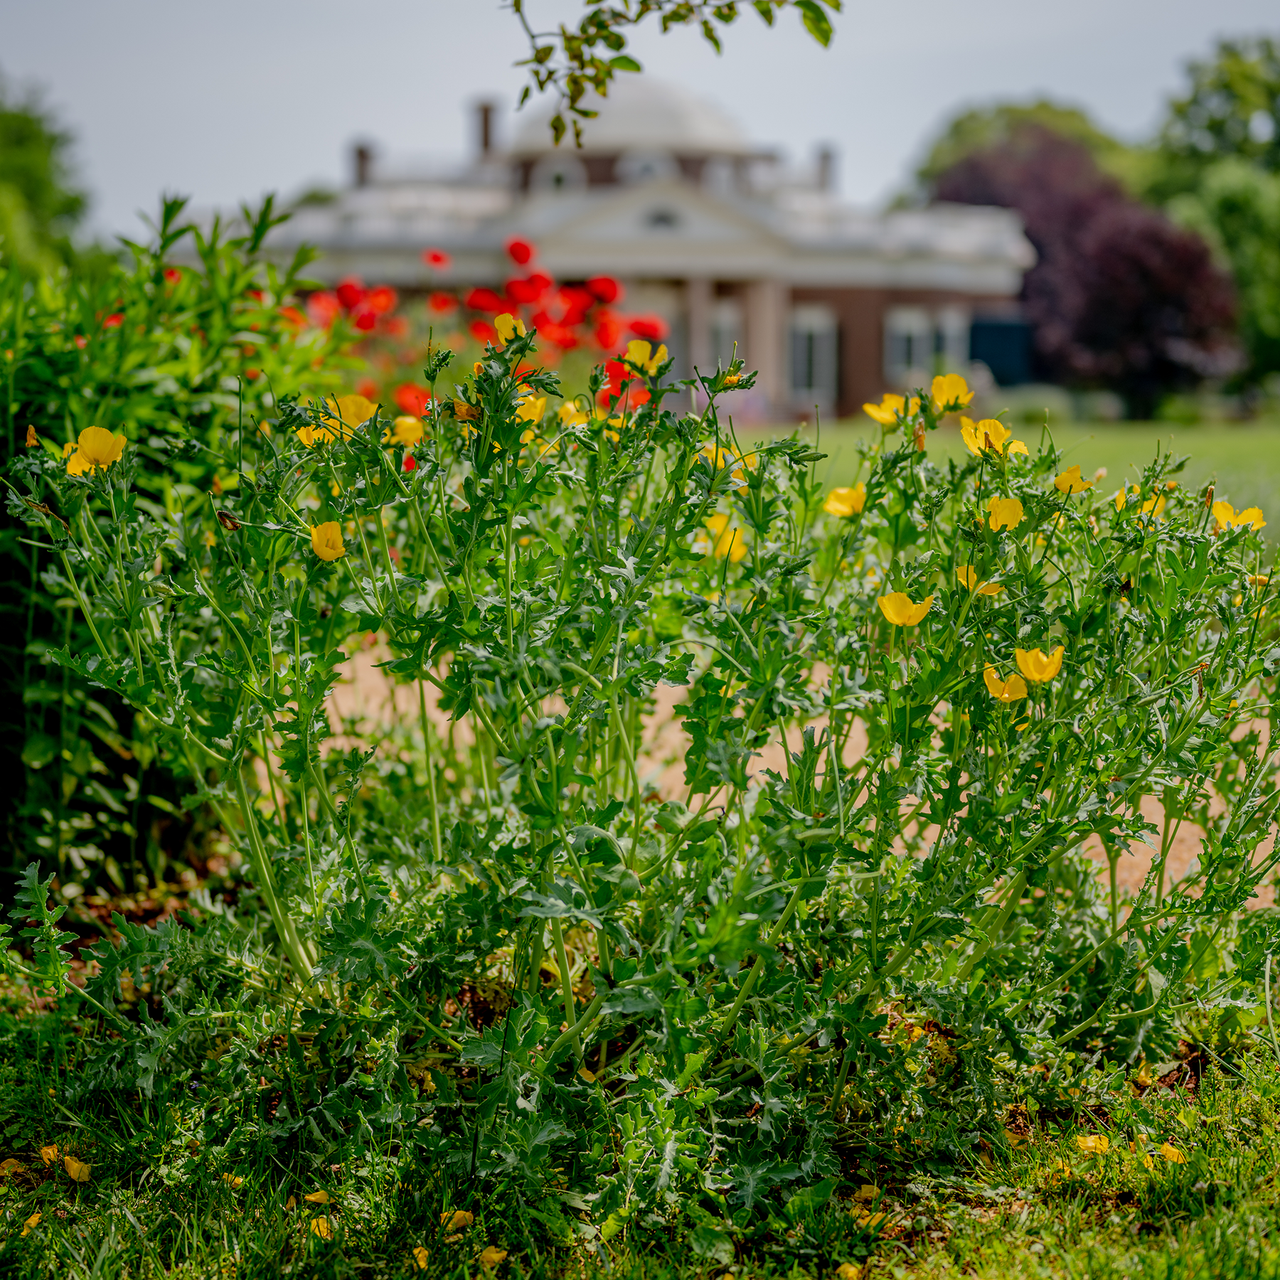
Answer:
(226, 101)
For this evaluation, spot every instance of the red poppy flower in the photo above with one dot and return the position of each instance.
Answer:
(487, 300)
(483, 331)
(293, 317)
(351, 293)
(520, 252)
(604, 289)
(436, 258)
(383, 299)
(81, 341)
(368, 388)
(113, 321)
(172, 275)
(365, 318)
(412, 399)
(395, 326)
(323, 308)
(251, 375)
(442, 303)
(409, 465)
(608, 330)
(654, 328)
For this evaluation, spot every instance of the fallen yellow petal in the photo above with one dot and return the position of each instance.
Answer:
(232, 1181)
(290, 1204)
(322, 1228)
(849, 1271)
(77, 1170)
(458, 1220)
(50, 1153)
(1172, 1154)
(317, 1197)
(866, 1193)
(10, 1166)
(31, 1223)
(420, 1257)
(1095, 1144)
(492, 1256)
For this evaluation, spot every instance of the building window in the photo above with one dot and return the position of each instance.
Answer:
(919, 343)
(814, 357)
(635, 167)
(726, 331)
(558, 173)
(908, 346)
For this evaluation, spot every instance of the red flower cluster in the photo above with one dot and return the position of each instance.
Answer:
(368, 309)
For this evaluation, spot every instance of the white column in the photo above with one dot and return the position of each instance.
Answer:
(766, 344)
(697, 315)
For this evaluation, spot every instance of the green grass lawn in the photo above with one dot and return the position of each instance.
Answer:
(1243, 460)
(1174, 1179)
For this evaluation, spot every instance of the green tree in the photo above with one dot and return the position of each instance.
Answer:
(1232, 110)
(984, 128)
(1236, 208)
(39, 204)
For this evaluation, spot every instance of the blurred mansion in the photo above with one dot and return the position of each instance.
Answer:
(833, 305)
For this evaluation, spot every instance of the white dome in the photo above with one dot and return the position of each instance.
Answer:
(639, 114)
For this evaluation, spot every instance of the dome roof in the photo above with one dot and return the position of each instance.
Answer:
(639, 114)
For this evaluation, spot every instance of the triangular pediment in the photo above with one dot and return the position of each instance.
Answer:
(669, 222)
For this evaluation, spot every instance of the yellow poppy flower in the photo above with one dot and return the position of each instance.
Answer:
(641, 355)
(1071, 481)
(1005, 513)
(344, 414)
(96, 447)
(1094, 1144)
(31, 1223)
(531, 409)
(990, 434)
(901, 610)
(322, 1227)
(317, 1197)
(727, 541)
(458, 1220)
(969, 578)
(77, 1170)
(887, 411)
(1227, 516)
(405, 430)
(949, 389)
(508, 327)
(326, 540)
(491, 1256)
(1172, 1154)
(846, 502)
(420, 1258)
(1037, 665)
(1154, 505)
(1009, 690)
(571, 416)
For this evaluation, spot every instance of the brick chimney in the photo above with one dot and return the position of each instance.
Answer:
(362, 157)
(485, 114)
(826, 167)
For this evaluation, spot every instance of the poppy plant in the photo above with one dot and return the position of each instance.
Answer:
(641, 355)
(1071, 481)
(969, 578)
(96, 448)
(887, 411)
(326, 540)
(989, 434)
(1009, 690)
(727, 541)
(1228, 517)
(949, 392)
(1037, 665)
(405, 430)
(846, 502)
(901, 610)
(1005, 513)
